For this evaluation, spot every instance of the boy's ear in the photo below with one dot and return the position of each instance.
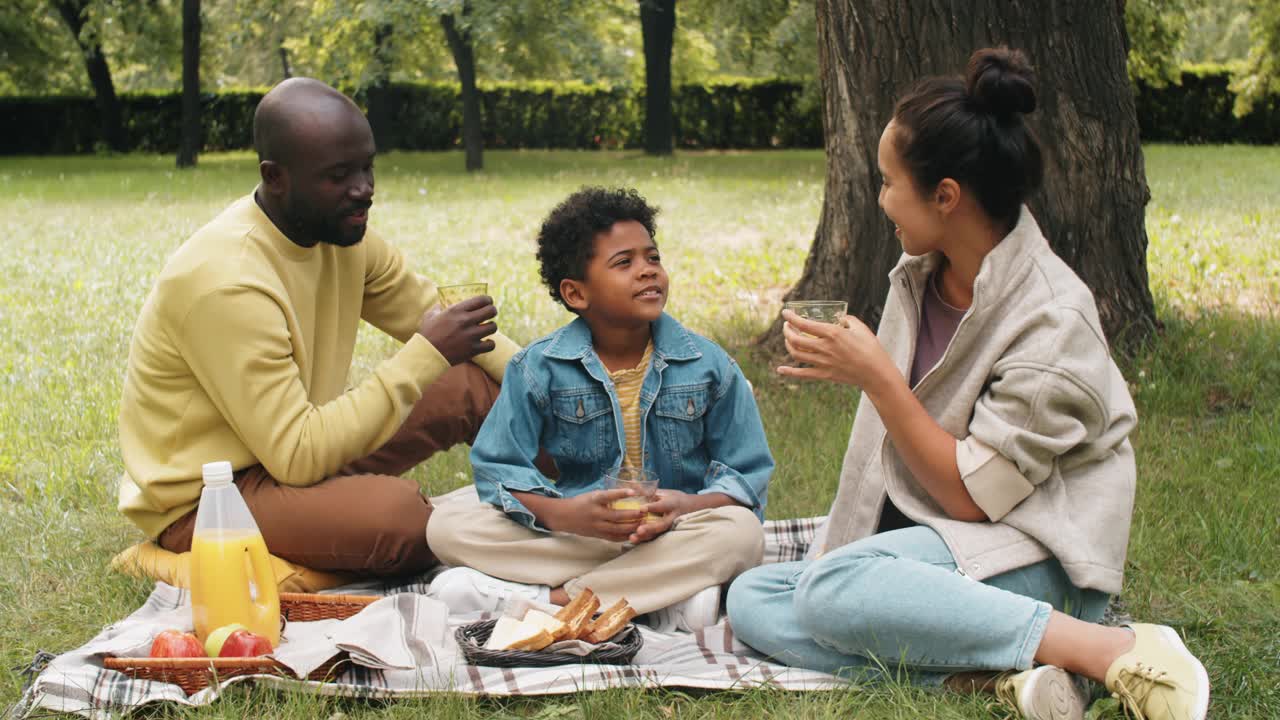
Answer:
(574, 294)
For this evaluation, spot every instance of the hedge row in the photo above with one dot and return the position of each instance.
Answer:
(1200, 110)
(428, 116)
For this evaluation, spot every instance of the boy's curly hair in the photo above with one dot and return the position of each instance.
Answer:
(566, 240)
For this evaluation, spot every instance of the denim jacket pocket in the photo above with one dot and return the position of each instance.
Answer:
(680, 410)
(583, 423)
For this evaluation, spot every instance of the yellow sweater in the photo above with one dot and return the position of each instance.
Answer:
(242, 351)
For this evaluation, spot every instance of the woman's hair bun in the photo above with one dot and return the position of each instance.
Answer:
(999, 81)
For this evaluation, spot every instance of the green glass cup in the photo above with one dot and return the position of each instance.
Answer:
(454, 294)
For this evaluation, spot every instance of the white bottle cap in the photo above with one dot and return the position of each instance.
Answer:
(217, 474)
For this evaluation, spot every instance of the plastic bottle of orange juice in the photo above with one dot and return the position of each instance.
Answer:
(231, 576)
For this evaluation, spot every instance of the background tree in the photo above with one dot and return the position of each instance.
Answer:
(658, 27)
(1261, 74)
(75, 13)
(1156, 31)
(30, 36)
(189, 143)
(380, 113)
(457, 31)
(1091, 205)
(500, 26)
(1221, 32)
(762, 38)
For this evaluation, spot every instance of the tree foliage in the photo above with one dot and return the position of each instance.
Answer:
(141, 40)
(1261, 73)
(253, 43)
(1156, 30)
(1219, 32)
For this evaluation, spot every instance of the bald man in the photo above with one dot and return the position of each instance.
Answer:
(243, 349)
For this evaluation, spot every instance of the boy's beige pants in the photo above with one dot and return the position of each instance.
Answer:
(703, 548)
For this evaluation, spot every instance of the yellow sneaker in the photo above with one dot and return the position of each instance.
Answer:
(1159, 679)
(1045, 693)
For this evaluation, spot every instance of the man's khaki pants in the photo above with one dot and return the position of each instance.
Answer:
(704, 548)
(364, 519)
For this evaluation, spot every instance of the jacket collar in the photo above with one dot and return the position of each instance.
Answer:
(1000, 269)
(671, 341)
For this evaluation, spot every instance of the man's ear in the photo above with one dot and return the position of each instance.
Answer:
(947, 196)
(574, 294)
(275, 178)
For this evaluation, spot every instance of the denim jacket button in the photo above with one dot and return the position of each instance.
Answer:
(689, 410)
(580, 411)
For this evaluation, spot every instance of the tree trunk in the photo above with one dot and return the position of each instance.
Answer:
(464, 59)
(189, 145)
(284, 62)
(658, 26)
(95, 63)
(379, 101)
(1091, 204)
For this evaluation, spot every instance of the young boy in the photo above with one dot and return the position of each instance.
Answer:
(624, 384)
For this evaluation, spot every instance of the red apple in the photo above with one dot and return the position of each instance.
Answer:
(175, 643)
(243, 643)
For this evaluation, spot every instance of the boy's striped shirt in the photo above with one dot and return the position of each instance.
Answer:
(627, 384)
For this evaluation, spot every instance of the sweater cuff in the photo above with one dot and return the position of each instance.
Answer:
(993, 481)
(495, 361)
(423, 360)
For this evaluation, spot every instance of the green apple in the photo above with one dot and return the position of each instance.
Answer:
(213, 643)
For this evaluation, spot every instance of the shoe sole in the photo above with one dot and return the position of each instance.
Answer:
(1202, 678)
(1049, 694)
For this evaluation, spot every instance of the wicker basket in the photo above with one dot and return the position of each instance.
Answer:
(305, 607)
(195, 674)
(471, 639)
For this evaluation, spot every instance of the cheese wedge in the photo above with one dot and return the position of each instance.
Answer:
(513, 634)
(558, 629)
(504, 633)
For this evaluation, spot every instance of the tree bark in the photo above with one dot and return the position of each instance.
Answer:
(464, 59)
(379, 100)
(658, 27)
(191, 135)
(95, 64)
(1091, 204)
(284, 62)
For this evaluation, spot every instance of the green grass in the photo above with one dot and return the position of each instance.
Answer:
(81, 240)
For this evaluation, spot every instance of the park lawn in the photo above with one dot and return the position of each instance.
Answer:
(81, 240)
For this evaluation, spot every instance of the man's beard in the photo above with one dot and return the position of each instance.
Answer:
(313, 225)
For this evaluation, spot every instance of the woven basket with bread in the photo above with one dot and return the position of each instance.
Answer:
(532, 640)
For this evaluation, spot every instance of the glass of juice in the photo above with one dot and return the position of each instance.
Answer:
(453, 294)
(824, 311)
(644, 483)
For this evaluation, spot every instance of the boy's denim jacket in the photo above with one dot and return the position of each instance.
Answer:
(700, 427)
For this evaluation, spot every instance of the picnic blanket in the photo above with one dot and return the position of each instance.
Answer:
(713, 658)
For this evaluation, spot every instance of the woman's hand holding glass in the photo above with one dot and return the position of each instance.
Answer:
(847, 352)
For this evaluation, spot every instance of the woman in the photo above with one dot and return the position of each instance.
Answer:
(986, 494)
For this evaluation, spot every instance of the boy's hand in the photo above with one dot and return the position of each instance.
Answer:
(670, 505)
(589, 515)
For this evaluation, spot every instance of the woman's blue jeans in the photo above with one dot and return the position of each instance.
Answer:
(894, 602)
